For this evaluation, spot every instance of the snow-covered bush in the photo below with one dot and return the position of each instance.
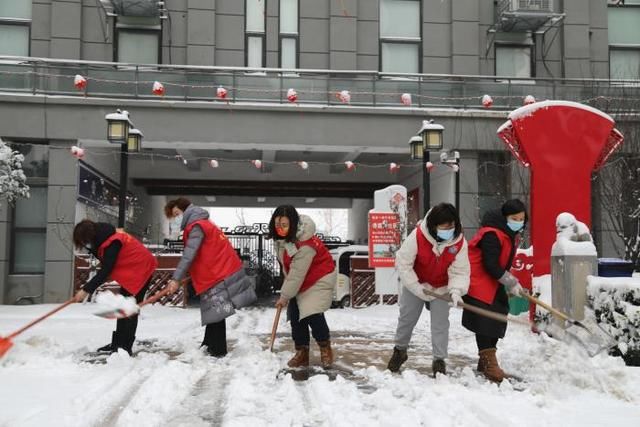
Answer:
(13, 182)
(616, 303)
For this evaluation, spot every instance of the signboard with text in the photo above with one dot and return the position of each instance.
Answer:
(384, 238)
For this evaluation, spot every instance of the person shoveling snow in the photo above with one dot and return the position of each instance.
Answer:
(123, 259)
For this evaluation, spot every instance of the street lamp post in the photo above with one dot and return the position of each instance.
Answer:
(429, 138)
(120, 130)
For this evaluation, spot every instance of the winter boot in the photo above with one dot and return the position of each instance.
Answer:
(492, 370)
(326, 354)
(480, 368)
(301, 358)
(111, 347)
(397, 359)
(438, 366)
(215, 339)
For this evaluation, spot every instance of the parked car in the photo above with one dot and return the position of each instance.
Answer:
(342, 258)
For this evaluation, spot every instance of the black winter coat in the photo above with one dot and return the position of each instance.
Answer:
(490, 247)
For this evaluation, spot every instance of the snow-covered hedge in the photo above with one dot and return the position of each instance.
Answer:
(616, 304)
(13, 182)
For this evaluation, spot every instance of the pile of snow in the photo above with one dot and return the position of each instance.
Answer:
(127, 306)
(616, 303)
(572, 237)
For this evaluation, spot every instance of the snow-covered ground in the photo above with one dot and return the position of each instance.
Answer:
(44, 382)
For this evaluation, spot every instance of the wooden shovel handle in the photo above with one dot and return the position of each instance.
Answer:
(160, 294)
(481, 311)
(547, 307)
(274, 328)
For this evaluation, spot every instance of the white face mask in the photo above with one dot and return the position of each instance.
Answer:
(176, 222)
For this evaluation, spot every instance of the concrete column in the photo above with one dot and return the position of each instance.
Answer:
(5, 229)
(159, 224)
(465, 27)
(358, 220)
(201, 34)
(66, 29)
(61, 213)
(343, 24)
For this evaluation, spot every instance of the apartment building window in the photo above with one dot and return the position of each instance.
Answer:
(494, 173)
(624, 41)
(15, 27)
(513, 60)
(29, 224)
(138, 40)
(400, 36)
(255, 39)
(289, 33)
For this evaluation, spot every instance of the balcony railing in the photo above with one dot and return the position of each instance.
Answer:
(39, 76)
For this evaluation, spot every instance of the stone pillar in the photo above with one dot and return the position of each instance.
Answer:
(159, 223)
(61, 214)
(358, 220)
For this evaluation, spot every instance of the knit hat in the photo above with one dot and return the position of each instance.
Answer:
(512, 206)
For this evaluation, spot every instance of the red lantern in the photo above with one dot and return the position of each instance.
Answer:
(350, 165)
(529, 99)
(213, 163)
(77, 152)
(80, 82)
(429, 166)
(405, 98)
(221, 93)
(158, 88)
(303, 165)
(292, 95)
(344, 96)
(394, 167)
(257, 163)
(487, 101)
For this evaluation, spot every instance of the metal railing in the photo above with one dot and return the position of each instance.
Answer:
(267, 85)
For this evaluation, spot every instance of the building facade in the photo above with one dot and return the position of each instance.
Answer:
(445, 54)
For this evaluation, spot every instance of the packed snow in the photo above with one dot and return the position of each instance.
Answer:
(108, 302)
(172, 382)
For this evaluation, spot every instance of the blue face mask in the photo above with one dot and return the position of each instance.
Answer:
(446, 234)
(515, 225)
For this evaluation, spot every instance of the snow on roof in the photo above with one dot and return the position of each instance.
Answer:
(528, 110)
(563, 247)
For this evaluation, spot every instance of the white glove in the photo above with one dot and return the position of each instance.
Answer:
(512, 284)
(456, 299)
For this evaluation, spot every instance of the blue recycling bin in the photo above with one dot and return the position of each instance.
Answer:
(614, 267)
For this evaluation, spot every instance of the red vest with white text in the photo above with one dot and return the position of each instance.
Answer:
(321, 265)
(134, 265)
(483, 286)
(215, 260)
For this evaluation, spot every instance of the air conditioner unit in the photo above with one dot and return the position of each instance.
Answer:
(531, 5)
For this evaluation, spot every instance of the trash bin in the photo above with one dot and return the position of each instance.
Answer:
(569, 282)
(614, 267)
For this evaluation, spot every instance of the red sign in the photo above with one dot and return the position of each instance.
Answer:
(384, 238)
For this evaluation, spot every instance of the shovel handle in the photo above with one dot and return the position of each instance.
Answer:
(155, 297)
(274, 328)
(481, 311)
(554, 311)
(41, 318)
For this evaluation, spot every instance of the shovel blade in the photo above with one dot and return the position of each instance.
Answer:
(5, 345)
(592, 342)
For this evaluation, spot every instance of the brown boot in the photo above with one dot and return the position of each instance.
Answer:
(301, 358)
(492, 370)
(326, 354)
(480, 367)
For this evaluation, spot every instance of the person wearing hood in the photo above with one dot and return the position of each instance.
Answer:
(432, 257)
(216, 271)
(123, 259)
(491, 252)
(309, 279)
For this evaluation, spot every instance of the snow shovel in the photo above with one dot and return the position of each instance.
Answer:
(121, 313)
(5, 342)
(274, 328)
(481, 311)
(575, 330)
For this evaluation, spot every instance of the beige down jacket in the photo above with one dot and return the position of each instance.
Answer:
(316, 299)
(459, 271)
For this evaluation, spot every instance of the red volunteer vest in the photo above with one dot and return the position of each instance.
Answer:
(321, 265)
(215, 259)
(484, 287)
(431, 268)
(134, 265)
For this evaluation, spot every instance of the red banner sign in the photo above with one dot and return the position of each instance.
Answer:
(384, 238)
